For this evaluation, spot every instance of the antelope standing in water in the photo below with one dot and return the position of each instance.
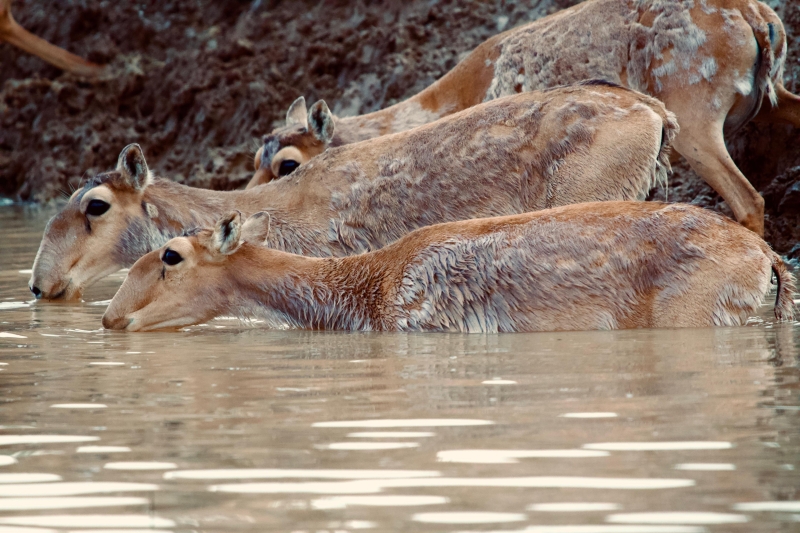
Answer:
(712, 62)
(602, 265)
(14, 34)
(513, 155)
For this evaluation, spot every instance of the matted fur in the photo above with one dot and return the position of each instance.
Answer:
(512, 155)
(603, 265)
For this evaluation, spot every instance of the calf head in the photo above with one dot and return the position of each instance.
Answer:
(106, 225)
(183, 283)
(307, 133)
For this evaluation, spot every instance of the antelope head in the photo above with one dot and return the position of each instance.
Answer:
(108, 213)
(185, 282)
(307, 133)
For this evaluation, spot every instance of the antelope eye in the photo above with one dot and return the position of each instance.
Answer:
(171, 257)
(287, 167)
(97, 208)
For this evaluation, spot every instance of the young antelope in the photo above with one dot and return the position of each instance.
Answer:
(607, 265)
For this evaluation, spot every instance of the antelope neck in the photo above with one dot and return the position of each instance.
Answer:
(307, 292)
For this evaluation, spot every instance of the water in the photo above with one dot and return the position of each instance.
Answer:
(226, 427)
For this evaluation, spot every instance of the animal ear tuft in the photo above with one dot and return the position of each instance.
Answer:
(297, 113)
(133, 167)
(320, 121)
(227, 233)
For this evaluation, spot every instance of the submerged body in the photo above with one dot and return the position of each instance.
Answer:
(606, 265)
(716, 64)
(512, 155)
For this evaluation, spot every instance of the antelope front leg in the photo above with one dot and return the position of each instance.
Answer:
(702, 144)
(14, 34)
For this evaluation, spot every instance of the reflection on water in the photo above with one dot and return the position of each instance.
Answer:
(226, 427)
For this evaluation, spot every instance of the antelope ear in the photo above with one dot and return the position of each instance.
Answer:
(227, 233)
(133, 167)
(256, 228)
(297, 113)
(320, 121)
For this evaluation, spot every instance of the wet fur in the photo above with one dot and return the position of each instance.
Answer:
(609, 265)
(512, 155)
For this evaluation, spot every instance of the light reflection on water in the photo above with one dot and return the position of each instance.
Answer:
(242, 429)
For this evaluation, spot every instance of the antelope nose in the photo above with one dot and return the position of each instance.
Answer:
(36, 291)
(119, 322)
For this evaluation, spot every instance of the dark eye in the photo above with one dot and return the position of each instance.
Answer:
(97, 208)
(287, 167)
(171, 257)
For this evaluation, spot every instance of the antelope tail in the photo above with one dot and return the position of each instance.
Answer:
(784, 303)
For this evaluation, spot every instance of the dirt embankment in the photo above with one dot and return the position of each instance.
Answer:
(197, 82)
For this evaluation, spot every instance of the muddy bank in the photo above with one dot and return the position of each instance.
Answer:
(196, 83)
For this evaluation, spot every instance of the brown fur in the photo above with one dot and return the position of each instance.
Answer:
(511, 155)
(712, 63)
(607, 265)
(16, 35)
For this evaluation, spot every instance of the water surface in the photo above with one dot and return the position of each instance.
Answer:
(228, 427)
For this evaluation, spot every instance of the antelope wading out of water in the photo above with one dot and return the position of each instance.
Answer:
(14, 34)
(716, 64)
(512, 155)
(600, 265)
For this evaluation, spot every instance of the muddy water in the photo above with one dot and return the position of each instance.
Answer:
(226, 427)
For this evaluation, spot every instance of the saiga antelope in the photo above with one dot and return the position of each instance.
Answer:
(712, 62)
(600, 265)
(14, 34)
(511, 155)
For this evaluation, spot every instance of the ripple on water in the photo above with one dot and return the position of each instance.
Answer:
(139, 465)
(589, 415)
(8, 440)
(276, 473)
(369, 486)
(403, 423)
(5, 306)
(600, 529)
(366, 446)
(78, 406)
(571, 507)
(705, 466)
(342, 502)
(658, 446)
(75, 488)
(7, 460)
(22, 529)
(390, 434)
(781, 506)
(93, 521)
(11, 305)
(102, 449)
(511, 456)
(468, 518)
(677, 517)
(23, 477)
(28, 504)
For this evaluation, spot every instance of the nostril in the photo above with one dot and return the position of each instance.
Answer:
(36, 291)
(119, 322)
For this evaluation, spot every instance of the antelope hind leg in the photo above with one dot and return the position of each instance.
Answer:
(702, 144)
(14, 34)
(787, 111)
